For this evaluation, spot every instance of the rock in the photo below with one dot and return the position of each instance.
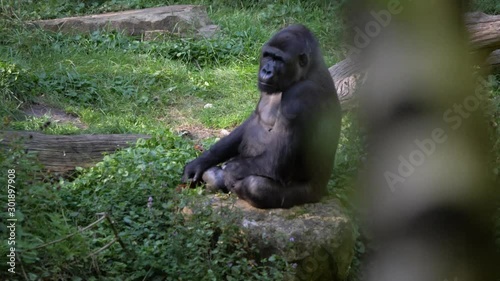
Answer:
(157, 35)
(185, 134)
(151, 22)
(208, 31)
(319, 237)
(208, 105)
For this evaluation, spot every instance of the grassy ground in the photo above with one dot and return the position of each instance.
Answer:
(117, 84)
(111, 83)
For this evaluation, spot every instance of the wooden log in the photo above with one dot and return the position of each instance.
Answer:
(484, 33)
(61, 154)
(484, 30)
(494, 59)
(346, 74)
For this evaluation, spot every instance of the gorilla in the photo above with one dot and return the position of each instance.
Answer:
(283, 154)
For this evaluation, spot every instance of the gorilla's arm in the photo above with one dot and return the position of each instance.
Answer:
(220, 152)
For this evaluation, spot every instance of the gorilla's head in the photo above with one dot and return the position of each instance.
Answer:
(288, 57)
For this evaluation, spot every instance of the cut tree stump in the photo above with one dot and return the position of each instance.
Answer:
(62, 154)
(484, 33)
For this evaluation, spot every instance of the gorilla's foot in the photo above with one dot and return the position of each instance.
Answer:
(262, 192)
(214, 179)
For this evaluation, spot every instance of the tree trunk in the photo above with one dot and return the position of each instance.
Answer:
(61, 154)
(484, 33)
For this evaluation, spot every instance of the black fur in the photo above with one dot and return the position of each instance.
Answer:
(283, 154)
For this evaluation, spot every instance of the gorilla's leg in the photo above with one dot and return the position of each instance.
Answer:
(263, 192)
(214, 179)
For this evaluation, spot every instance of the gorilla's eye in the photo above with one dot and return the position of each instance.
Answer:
(273, 56)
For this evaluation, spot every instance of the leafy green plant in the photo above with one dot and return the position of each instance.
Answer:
(77, 88)
(16, 86)
(44, 124)
(138, 188)
(205, 52)
(8, 77)
(38, 205)
(15, 82)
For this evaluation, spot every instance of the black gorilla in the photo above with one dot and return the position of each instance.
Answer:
(283, 154)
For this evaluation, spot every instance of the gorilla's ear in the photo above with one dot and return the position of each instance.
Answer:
(303, 60)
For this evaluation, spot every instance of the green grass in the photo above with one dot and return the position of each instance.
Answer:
(117, 84)
(105, 77)
(487, 6)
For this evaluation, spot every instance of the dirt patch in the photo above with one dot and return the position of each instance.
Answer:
(55, 115)
(190, 128)
(198, 132)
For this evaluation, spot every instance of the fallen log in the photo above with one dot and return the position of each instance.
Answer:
(484, 33)
(484, 30)
(61, 154)
(494, 59)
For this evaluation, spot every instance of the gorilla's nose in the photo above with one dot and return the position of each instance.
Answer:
(267, 71)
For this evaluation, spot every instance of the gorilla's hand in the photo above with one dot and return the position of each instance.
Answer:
(194, 170)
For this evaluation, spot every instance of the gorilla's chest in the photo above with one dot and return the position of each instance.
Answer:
(262, 133)
(268, 111)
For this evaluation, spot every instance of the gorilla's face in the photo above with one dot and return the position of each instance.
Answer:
(284, 62)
